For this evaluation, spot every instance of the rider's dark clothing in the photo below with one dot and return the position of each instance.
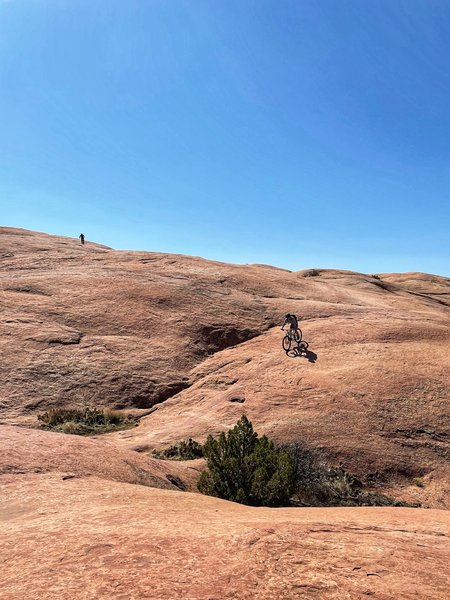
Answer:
(292, 321)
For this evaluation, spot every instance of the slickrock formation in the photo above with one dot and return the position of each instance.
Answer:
(97, 539)
(373, 390)
(190, 345)
(25, 451)
(90, 325)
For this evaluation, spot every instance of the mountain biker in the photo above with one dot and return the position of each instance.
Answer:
(292, 321)
(81, 236)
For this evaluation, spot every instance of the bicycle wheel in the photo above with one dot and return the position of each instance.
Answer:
(298, 336)
(286, 343)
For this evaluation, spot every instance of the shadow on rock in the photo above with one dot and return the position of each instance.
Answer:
(302, 351)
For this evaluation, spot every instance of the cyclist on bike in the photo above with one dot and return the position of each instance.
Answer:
(292, 321)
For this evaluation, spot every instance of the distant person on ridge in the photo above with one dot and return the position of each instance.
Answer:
(292, 321)
(81, 236)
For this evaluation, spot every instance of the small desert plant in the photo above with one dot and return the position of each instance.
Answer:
(418, 482)
(71, 427)
(245, 468)
(84, 421)
(318, 483)
(184, 450)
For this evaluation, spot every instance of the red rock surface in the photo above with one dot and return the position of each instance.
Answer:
(25, 451)
(90, 325)
(193, 344)
(376, 398)
(97, 539)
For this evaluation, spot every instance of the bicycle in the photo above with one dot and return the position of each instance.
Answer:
(292, 335)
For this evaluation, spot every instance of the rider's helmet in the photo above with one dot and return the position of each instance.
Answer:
(287, 316)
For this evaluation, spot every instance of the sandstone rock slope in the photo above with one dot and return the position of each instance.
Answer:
(197, 343)
(189, 345)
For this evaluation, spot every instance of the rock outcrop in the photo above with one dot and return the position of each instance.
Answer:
(196, 343)
(25, 451)
(190, 345)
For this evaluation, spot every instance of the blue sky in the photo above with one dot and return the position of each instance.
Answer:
(300, 133)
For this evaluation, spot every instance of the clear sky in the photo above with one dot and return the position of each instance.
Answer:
(300, 133)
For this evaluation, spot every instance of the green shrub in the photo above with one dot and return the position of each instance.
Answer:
(84, 421)
(184, 450)
(245, 468)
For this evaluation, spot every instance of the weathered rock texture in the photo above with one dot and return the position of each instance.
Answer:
(193, 344)
(25, 451)
(197, 341)
(97, 539)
